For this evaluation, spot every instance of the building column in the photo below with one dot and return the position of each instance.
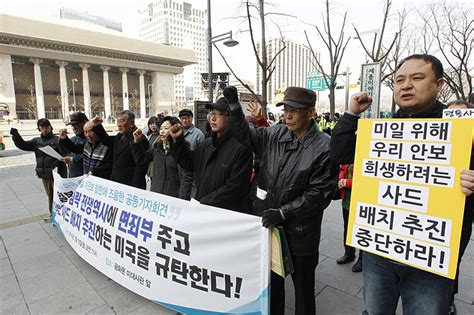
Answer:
(7, 84)
(86, 89)
(124, 88)
(64, 91)
(142, 94)
(38, 88)
(162, 97)
(107, 104)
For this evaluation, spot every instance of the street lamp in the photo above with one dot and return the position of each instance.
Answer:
(210, 40)
(74, 93)
(149, 87)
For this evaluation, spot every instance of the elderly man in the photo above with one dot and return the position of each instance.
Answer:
(221, 165)
(125, 170)
(74, 160)
(418, 79)
(44, 163)
(194, 137)
(96, 157)
(299, 182)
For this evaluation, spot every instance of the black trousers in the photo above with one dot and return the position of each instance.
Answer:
(345, 216)
(303, 281)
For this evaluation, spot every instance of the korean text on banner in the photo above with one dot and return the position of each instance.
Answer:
(413, 210)
(189, 257)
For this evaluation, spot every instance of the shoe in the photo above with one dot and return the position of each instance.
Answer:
(357, 267)
(347, 258)
(47, 218)
(452, 309)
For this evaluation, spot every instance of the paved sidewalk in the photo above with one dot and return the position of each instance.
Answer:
(41, 274)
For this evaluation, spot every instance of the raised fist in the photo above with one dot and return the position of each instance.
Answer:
(14, 132)
(230, 93)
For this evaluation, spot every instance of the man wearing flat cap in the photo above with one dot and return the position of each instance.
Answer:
(222, 165)
(73, 160)
(298, 179)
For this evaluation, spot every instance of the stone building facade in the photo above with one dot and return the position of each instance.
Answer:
(50, 69)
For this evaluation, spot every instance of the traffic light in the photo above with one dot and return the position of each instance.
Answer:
(221, 78)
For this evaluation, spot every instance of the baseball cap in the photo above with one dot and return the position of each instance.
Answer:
(221, 105)
(77, 118)
(185, 112)
(43, 122)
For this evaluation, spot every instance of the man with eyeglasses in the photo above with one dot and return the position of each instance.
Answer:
(222, 165)
(296, 182)
(74, 160)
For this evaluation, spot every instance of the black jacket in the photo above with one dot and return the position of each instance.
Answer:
(296, 175)
(75, 168)
(166, 174)
(44, 163)
(222, 168)
(125, 170)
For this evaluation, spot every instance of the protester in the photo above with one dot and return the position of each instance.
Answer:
(194, 137)
(298, 181)
(74, 160)
(344, 183)
(166, 177)
(153, 136)
(418, 80)
(466, 231)
(44, 163)
(125, 170)
(221, 165)
(97, 158)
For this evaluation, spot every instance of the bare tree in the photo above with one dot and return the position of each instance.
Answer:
(61, 101)
(452, 28)
(401, 48)
(265, 61)
(134, 101)
(114, 101)
(336, 46)
(31, 105)
(379, 52)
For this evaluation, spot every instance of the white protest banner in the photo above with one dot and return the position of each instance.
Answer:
(192, 258)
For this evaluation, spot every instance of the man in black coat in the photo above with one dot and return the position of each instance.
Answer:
(298, 180)
(418, 80)
(222, 166)
(125, 170)
(44, 163)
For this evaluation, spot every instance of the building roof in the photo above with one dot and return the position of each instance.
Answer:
(74, 40)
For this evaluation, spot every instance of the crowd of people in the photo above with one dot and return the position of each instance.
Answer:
(286, 173)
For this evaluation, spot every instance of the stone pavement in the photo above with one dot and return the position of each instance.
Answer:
(41, 274)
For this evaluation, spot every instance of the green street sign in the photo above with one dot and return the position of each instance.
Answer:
(316, 84)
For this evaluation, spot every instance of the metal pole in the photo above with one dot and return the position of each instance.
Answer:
(74, 95)
(346, 103)
(209, 50)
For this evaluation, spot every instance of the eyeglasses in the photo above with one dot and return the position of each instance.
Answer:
(216, 115)
(293, 110)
